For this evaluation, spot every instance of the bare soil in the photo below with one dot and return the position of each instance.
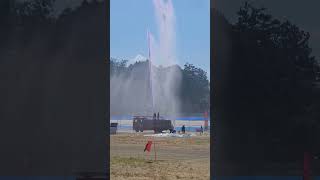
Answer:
(177, 158)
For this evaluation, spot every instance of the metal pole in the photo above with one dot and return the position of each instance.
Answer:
(155, 152)
(150, 71)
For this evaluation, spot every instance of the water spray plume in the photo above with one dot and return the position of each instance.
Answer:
(163, 53)
(153, 87)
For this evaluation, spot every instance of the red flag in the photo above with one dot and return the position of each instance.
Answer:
(148, 146)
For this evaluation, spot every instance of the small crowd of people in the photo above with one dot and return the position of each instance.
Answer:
(155, 116)
(183, 128)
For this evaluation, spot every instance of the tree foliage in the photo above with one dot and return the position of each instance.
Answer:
(118, 67)
(195, 88)
(194, 92)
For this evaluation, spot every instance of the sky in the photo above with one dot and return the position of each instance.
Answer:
(302, 13)
(130, 20)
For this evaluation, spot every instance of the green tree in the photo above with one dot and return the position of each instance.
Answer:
(118, 67)
(195, 88)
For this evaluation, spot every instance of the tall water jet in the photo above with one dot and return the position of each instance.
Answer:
(165, 75)
(144, 89)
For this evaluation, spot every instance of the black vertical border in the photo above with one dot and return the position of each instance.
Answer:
(107, 82)
(212, 5)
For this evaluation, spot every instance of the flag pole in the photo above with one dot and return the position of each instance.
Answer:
(150, 70)
(155, 152)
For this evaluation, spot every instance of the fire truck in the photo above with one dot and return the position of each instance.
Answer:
(141, 123)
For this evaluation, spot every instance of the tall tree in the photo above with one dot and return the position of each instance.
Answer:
(195, 88)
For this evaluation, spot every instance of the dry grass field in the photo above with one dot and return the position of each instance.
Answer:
(177, 158)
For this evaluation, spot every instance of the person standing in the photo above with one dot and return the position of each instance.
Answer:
(201, 130)
(183, 129)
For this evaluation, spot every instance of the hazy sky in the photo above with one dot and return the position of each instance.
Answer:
(305, 14)
(130, 19)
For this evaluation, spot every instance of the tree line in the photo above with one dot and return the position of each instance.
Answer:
(193, 92)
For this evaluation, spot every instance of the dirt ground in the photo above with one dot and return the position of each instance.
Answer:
(177, 158)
